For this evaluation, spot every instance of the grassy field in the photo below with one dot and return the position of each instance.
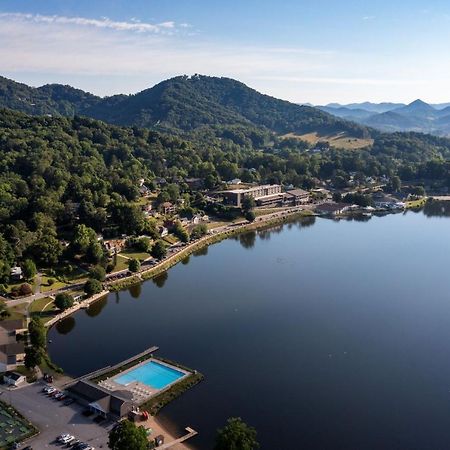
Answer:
(122, 263)
(340, 140)
(133, 254)
(45, 286)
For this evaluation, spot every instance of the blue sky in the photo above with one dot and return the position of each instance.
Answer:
(303, 51)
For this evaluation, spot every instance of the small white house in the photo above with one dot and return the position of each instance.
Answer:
(16, 273)
(13, 378)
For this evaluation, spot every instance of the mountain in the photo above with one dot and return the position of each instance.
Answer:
(417, 116)
(54, 99)
(417, 108)
(180, 104)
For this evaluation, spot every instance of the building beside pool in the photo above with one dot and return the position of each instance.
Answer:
(114, 405)
(118, 391)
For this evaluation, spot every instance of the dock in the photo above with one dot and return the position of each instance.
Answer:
(189, 434)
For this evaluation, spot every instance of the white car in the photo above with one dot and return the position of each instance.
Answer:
(50, 390)
(65, 438)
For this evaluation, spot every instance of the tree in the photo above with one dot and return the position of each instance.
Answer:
(126, 435)
(248, 203)
(236, 435)
(98, 273)
(25, 289)
(95, 252)
(33, 357)
(92, 287)
(159, 250)
(63, 301)
(250, 216)
(83, 238)
(134, 265)
(198, 231)
(29, 269)
(37, 333)
(180, 232)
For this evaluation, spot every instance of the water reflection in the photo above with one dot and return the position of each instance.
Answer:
(160, 280)
(201, 251)
(247, 240)
(135, 290)
(66, 325)
(96, 308)
(436, 208)
(186, 260)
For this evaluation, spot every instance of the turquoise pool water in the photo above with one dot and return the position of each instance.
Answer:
(153, 374)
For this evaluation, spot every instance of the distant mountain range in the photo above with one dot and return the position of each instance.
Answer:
(417, 116)
(180, 104)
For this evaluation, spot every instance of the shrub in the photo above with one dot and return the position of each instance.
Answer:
(92, 287)
(63, 301)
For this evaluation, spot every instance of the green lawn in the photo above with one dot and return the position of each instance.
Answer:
(45, 287)
(170, 239)
(40, 305)
(122, 263)
(134, 254)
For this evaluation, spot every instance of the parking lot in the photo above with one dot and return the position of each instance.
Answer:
(53, 418)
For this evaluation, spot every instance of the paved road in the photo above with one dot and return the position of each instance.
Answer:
(52, 418)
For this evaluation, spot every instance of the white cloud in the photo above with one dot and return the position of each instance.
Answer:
(104, 22)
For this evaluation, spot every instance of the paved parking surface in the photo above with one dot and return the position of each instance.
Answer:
(52, 418)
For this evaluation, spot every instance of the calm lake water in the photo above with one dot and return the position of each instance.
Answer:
(325, 335)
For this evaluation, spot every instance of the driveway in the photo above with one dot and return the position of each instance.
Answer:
(52, 418)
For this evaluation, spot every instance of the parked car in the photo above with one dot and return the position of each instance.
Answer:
(67, 439)
(50, 391)
(69, 401)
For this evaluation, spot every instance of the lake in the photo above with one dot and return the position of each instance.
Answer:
(321, 334)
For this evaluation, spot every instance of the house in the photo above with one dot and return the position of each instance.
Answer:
(168, 208)
(144, 191)
(332, 209)
(12, 352)
(235, 181)
(297, 197)
(163, 231)
(147, 209)
(114, 246)
(114, 405)
(14, 378)
(16, 273)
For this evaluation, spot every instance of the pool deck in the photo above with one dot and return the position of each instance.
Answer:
(141, 392)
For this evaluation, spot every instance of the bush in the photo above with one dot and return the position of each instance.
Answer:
(50, 281)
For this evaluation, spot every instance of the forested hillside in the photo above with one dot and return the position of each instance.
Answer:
(180, 104)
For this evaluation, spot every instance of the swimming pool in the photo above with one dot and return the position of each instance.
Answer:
(153, 374)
